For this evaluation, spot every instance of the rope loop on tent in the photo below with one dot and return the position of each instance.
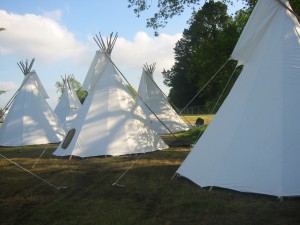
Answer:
(204, 86)
(121, 185)
(33, 174)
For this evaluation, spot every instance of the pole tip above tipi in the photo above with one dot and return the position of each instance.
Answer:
(110, 42)
(25, 67)
(149, 68)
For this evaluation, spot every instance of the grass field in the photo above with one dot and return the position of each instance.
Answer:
(192, 118)
(146, 194)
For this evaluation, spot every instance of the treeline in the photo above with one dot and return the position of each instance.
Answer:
(205, 49)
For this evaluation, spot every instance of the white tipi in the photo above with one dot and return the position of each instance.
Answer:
(30, 120)
(110, 122)
(253, 143)
(163, 117)
(68, 105)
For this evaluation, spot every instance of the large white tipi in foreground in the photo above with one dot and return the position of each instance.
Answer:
(30, 120)
(110, 122)
(253, 143)
(162, 116)
(68, 105)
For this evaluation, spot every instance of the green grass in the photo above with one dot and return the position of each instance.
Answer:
(149, 196)
(146, 195)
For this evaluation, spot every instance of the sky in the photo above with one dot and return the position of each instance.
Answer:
(59, 35)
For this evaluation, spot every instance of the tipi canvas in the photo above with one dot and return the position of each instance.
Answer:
(161, 114)
(99, 62)
(110, 122)
(253, 143)
(30, 120)
(68, 105)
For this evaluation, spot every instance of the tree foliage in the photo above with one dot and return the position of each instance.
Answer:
(77, 86)
(202, 50)
(167, 9)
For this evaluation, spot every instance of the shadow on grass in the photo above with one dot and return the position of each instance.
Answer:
(148, 195)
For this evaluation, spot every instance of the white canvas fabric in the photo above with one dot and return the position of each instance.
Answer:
(34, 78)
(253, 143)
(110, 122)
(68, 105)
(95, 70)
(168, 120)
(30, 120)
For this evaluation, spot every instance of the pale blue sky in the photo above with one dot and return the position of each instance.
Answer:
(58, 34)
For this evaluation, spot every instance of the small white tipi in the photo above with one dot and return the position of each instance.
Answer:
(68, 105)
(253, 143)
(110, 122)
(30, 120)
(161, 114)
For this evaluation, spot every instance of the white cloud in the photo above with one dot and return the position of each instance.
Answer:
(130, 56)
(147, 49)
(38, 36)
(7, 86)
(58, 52)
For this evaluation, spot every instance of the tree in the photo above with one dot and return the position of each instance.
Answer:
(167, 9)
(203, 49)
(77, 86)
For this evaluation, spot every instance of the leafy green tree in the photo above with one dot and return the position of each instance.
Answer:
(203, 49)
(167, 9)
(77, 86)
(296, 6)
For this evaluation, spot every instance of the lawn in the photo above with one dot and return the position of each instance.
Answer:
(146, 194)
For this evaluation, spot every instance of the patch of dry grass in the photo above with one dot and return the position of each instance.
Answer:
(146, 195)
(192, 118)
